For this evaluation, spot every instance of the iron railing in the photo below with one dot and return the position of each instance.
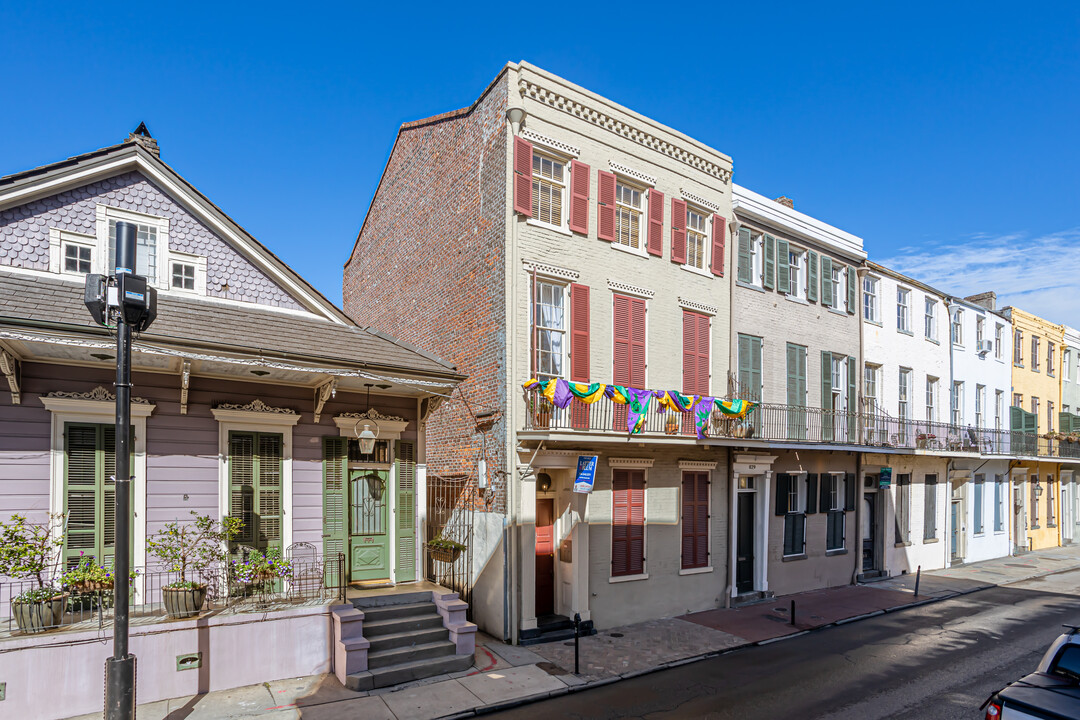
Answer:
(794, 424)
(311, 580)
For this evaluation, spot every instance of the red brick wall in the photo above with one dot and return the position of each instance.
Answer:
(429, 266)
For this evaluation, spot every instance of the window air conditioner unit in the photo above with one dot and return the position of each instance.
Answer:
(985, 346)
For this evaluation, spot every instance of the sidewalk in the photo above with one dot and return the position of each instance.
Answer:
(505, 675)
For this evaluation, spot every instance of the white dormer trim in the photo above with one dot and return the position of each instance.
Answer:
(552, 272)
(58, 238)
(104, 213)
(625, 289)
(620, 169)
(758, 207)
(199, 261)
(698, 307)
(551, 144)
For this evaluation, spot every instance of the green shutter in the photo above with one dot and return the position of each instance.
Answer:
(796, 391)
(750, 366)
(793, 399)
(333, 534)
(745, 266)
(255, 488)
(1016, 419)
(89, 492)
(827, 298)
(405, 567)
(782, 266)
(755, 367)
(770, 262)
(852, 399)
(812, 283)
(851, 290)
(826, 396)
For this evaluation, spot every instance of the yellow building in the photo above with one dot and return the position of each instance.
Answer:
(1036, 391)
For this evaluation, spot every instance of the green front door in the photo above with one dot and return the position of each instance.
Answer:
(369, 537)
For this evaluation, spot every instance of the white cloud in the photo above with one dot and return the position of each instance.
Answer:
(1040, 275)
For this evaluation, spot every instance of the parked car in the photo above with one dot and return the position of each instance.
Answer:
(1052, 692)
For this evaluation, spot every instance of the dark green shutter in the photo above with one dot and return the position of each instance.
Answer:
(849, 491)
(770, 262)
(333, 534)
(745, 264)
(405, 538)
(826, 397)
(825, 500)
(852, 399)
(827, 298)
(783, 484)
(812, 282)
(255, 488)
(796, 391)
(812, 494)
(783, 269)
(851, 290)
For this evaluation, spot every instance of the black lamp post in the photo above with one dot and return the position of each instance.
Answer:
(125, 298)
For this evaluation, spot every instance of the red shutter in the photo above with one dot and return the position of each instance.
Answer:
(703, 336)
(579, 197)
(637, 343)
(719, 232)
(635, 549)
(579, 350)
(605, 206)
(696, 336)
(678, 231)
(695, 520)
(621, 371)
(523, 153)
(620, 520)
(655, 244)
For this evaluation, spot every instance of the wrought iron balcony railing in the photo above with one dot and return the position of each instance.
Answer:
(787, 423)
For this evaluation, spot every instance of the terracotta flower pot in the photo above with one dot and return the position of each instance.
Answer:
(183, 602)
(35, 617)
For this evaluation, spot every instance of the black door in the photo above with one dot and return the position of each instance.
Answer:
(869, 530)
(744, 551)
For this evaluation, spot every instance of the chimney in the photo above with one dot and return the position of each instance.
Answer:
(987, 300)
(786, 201)
(144, 138)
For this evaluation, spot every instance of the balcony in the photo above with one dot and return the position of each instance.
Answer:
(775, 424)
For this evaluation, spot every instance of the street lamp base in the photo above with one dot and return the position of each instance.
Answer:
(120, 688)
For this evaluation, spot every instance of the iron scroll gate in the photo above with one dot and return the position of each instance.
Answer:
(452, 501)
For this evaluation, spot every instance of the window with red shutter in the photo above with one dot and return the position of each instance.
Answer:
(696, 334)
(627, 522)
(629, 349)
(678, 231)
(695, 520)
(719, 235)
(655, 242)
(523, 159)
(605, 206)
(579, 351)
(579, 197)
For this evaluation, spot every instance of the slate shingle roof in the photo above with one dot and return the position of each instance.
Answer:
(193, 321)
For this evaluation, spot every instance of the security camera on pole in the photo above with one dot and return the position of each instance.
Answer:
(125, 299)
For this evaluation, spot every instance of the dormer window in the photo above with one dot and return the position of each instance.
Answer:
(78, 258)
(183, 276)
(146, 250)
(186, 273)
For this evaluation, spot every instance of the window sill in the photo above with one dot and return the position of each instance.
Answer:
(797, 299)
(697, 271)
(933, 340)
(872, 322)
(837, 551)
(902, 544)
(628, 578)
(1051, 525)
(793, 558)
(554, 228)
(905, 332)
(930, 541)
(630, 251)
(958, 346)
(749, 286)
(695, 571)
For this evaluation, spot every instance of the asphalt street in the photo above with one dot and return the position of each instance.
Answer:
(936, 662)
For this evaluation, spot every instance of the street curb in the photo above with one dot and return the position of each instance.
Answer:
(570, 689)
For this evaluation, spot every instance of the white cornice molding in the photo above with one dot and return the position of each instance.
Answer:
(696, 465)
(620, 169)
(255, 412)
(619, 287)
(390, 426)
(698, 307)
(698, 200)
(98, 401)
(550, 143)
(550, 271)
(751, 205)
(630, 131)
(638, 463)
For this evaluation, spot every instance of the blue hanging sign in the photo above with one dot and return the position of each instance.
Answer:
(885, 478)
(586, 473)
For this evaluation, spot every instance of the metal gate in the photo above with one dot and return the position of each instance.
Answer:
(452, 501)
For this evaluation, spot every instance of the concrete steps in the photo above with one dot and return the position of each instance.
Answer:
(408, 641)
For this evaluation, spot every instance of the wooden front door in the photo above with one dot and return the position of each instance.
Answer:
(369, 538)
(545, 556)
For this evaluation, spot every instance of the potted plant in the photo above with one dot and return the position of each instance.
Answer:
(445, 549)
(31, 551)
(671, 426)
(922, 438)
(89, 576)
(190, 549)
(541, 412)
(259, 567)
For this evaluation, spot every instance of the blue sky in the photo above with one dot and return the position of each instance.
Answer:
(944, 134)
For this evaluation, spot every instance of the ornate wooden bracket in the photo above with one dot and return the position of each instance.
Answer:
(185, 380)
(323, 393)
(10, 367)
